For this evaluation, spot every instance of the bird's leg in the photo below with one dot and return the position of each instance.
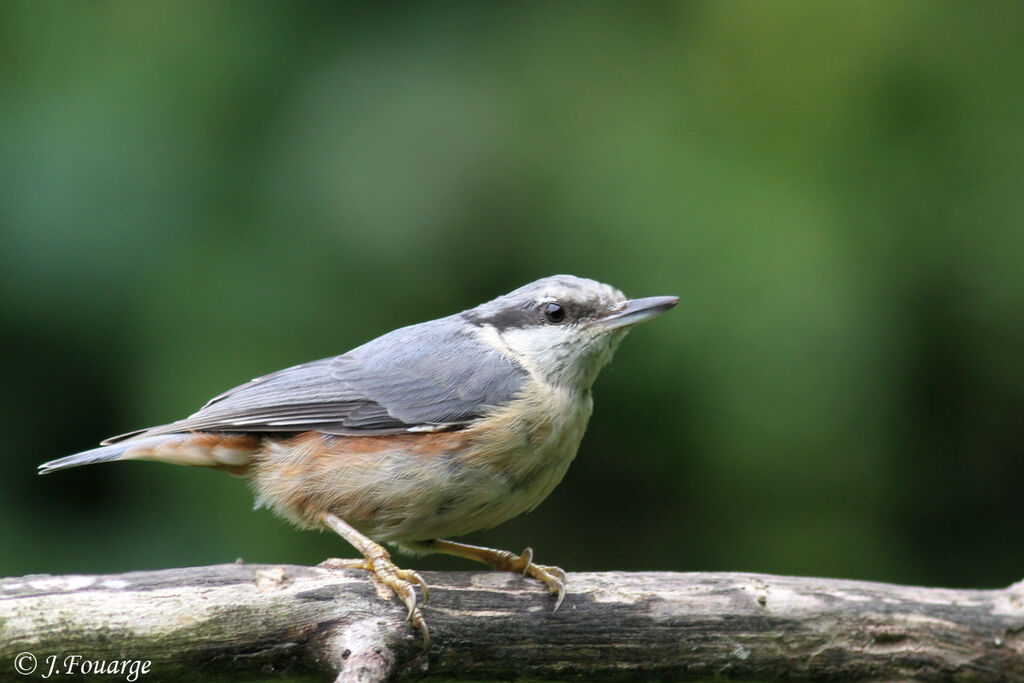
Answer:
(384, 572)
(552, 577)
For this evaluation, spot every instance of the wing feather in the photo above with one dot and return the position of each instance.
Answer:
(422, 377)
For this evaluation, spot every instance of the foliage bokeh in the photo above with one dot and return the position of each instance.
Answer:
(195, 193)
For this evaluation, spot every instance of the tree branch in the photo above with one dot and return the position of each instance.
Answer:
(252, 621)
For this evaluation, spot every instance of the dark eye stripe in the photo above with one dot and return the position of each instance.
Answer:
(534, 315)
(506, 319)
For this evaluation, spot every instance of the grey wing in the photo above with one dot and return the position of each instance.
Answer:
(404, 380)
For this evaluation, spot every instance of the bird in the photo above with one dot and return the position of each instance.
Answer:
(428, 432)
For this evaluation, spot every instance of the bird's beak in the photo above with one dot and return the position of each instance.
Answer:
(638, 310)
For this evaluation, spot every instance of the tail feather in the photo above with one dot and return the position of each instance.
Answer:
(101, 454)
(200, 449)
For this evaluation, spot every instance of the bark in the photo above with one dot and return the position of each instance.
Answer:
(250, 622)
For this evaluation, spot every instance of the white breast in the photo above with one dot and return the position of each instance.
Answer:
(519, 454)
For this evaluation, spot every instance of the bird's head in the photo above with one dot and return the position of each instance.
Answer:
(563, 329)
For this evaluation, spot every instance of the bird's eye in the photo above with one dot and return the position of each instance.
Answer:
(554, 312)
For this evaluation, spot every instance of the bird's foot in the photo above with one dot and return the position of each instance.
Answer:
(551, 576)
(391, 579)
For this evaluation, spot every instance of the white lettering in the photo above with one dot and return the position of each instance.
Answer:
(52, 661)
(137, 668)
(71, 663)
(131, 669)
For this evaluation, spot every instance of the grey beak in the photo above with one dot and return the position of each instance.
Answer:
(638, 310)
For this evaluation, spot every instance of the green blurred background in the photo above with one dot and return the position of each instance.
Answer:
(195, 193)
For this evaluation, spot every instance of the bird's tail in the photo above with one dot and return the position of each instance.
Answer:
(204, 449)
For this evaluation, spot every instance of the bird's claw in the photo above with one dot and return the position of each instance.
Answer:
(414, 577)
(551, 576)
(393, 579)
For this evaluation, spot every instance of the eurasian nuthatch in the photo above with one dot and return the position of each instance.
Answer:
(429, 431)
